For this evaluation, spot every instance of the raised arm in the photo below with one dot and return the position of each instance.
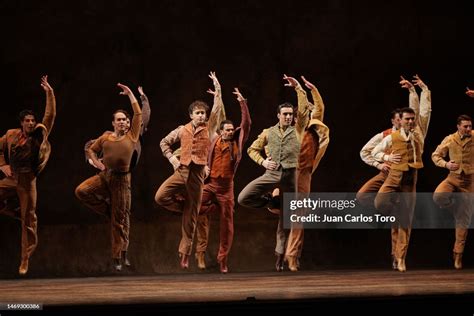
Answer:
(50, 109)
(137, 112)
(424, 114)
(304, 106)
(146, 110)
(318, 107)
(413, 100)
(245, 121)
(218, 111)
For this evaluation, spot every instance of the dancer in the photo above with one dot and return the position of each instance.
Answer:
(191, 169)
(108, 193)
(460, 149)
(406, 146)
(24, 153)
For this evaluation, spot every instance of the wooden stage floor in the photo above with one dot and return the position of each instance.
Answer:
(237, 289)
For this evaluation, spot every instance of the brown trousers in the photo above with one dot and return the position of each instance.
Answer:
(109, 194)
(22, 186)
(188, 181)
(366, 196)
(308, 152)
(217, 198)
(460, 204)
(390, 201)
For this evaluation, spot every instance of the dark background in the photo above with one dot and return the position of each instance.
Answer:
(354, 52)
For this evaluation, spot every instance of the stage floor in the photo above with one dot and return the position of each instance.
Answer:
(235, 288)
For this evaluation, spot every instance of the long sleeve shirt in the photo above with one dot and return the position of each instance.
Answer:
(422, 118)
(304, 107)
(118, 151)
(460, 149)
(366, 151)
(215, 118)
(29, 152)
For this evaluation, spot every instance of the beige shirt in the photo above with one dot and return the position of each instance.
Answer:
(458, 144)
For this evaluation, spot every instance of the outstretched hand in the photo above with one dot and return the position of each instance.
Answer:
(238, 94)
(405, 83)
(308, 84)
(44, 83)
(125, 90)
(215, 81)
(291, 82)
(140, 90)
(418, 82)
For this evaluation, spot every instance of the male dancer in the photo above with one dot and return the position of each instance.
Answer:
(460, 148)
(190, 170)
(114, 181)
(406, 146)
(281, 144)
(314, 142)
(218, 196)
(24, 153)
(146, 114)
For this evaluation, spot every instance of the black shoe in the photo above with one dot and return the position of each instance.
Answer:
(126, 262)
(117, 265)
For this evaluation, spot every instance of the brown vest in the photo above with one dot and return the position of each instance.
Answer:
(407, 152)
(194, 146)
(224, 157)
(462, 152)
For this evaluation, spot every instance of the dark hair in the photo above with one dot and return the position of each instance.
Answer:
(406, 110)
(24, 113)
(198, 104)
(394, 113)
(464, 117)
(285, 105)
(120, 111)
(224, 122)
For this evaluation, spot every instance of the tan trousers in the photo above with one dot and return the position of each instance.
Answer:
(109, 194)
(308, 151)
(188, 181)
(389, 201)
(460, 204)
(217, 198)
(23, 187)
(366, 196)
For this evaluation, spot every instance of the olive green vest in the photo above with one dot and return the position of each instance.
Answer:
(284, 149)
